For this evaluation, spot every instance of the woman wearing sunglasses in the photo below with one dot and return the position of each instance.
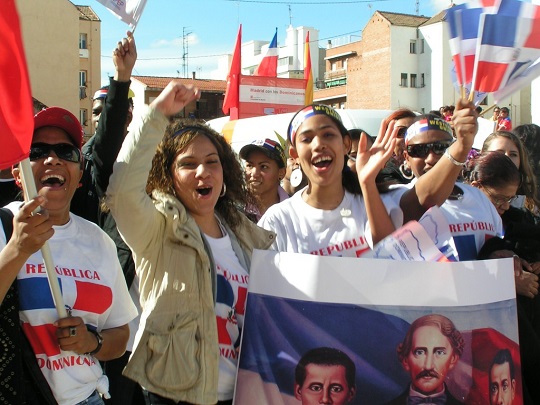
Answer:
(68, 350)
(471, 216)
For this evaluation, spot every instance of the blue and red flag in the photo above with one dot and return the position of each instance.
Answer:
(16, 113)
(268, 65)
(504, 55)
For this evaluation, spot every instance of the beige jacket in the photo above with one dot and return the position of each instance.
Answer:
(176, 350)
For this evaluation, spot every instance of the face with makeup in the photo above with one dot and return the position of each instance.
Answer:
(320, 148)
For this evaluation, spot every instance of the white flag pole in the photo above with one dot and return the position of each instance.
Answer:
(30, 191)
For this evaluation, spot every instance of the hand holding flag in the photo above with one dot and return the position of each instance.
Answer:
(17, 121)
(129, 11)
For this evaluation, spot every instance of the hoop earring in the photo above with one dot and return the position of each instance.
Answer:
(406, 171)
(296, 177)
(223, 190)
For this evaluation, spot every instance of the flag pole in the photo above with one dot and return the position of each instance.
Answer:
(487, 109)
(30, 191)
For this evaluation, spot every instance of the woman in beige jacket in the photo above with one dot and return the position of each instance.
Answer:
(192, 248)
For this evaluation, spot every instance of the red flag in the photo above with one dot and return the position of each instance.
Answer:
(268, 65)
(16, 113)
(233, 79)
(308, 74)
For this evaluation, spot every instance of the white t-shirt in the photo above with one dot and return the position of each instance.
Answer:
(93, 287)
(343, 231)
(473, 219)
(232, 284)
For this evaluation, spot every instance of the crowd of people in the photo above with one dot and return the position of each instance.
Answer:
(154, 256)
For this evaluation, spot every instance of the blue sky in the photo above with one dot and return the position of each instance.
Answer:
(214, 24)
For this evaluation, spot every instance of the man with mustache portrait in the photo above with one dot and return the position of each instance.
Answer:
(430, 349)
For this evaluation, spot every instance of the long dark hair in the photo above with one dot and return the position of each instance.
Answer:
(178, 135)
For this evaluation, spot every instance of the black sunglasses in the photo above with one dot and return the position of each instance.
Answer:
(64, 151)
(422, 150)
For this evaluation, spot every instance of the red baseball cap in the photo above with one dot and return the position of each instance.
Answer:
(63, 119)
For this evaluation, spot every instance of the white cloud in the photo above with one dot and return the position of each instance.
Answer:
(192, 39)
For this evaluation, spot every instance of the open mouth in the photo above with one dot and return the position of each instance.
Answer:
(322, 162)
(204, 190)
(53, 180)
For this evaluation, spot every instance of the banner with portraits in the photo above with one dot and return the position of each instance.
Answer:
(375, 331)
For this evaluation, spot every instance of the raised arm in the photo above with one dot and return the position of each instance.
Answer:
(369, 162)
(132, 208)
(113, 122)
(434, 187)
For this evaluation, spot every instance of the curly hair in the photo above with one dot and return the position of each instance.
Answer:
(178, 135)
(528, 180)
(445, 325)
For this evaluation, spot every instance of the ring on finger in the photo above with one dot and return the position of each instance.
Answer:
(72, 331)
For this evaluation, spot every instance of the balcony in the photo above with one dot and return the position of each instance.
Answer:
(335, 74)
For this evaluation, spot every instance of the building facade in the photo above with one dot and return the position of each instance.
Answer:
(63, 52)
(147, 88)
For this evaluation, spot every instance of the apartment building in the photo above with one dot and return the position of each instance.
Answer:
(63, 51)
(386, 69)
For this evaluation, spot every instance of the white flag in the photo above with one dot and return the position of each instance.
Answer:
(129, 11)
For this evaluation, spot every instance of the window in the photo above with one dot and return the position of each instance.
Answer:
(334, 66)
(403, 80)
(82, 84)
(83, 116)
(412, 47)
(83, 41)
(82, 78)
(422, 46)
(413, 80)
(345, 64)
(422, 80)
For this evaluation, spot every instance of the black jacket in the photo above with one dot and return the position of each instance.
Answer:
(99, 156)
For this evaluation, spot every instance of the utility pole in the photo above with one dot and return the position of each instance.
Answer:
(185, 52)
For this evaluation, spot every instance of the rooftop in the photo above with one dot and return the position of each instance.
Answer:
(207, 85)
(86, 13)
(405, 20)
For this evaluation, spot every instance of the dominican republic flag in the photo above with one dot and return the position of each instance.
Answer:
(16, 114)
(268, 65)
(36, 299)
(505, 54)
(463, 22)
(454, 30)
(129, 11)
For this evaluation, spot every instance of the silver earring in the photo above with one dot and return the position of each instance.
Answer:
(223, 190)
(296, 177)
(406, 171)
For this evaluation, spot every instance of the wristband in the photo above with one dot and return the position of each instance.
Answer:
(99, 342)
(451, 159)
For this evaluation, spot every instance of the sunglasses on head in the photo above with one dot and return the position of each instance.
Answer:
(64, 151)
(422, 150)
